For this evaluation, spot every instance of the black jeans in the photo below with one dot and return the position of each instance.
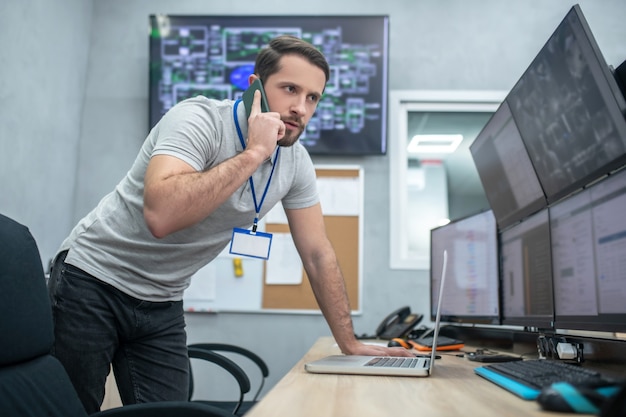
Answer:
(96, 326)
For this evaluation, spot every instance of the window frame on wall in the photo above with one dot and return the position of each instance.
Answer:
(401, 102)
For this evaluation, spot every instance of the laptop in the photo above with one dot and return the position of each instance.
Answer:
(383, 365)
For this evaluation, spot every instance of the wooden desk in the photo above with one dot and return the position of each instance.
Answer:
(452, 390)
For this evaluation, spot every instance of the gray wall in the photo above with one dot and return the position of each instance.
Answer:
(43, 48)
(73, 113)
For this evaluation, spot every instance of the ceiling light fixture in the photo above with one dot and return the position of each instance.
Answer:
(434, 143)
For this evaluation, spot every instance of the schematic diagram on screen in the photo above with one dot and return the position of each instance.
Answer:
(214, 58)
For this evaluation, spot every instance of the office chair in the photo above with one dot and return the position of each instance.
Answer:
(208, 352)
(33, 383)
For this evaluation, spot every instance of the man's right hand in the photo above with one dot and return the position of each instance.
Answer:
(264, 129)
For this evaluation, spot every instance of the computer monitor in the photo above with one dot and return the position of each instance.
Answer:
(570, 110)
(526, 273)
(471, 290)
(505, 170)
(589, 256)
(213, 55)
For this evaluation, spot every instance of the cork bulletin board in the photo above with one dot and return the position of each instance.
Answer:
(280, 284)
(344, 231)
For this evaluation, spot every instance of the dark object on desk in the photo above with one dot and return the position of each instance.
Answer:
(527, 378)
(398, 323)
(491, 357)
(407, 344)
(425, 343)
(565, 397)
(33, 383)
(398, 342)
(209, 352)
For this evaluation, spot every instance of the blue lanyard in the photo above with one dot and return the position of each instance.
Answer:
(257, 207)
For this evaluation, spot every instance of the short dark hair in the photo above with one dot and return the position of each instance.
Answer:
(268, 60)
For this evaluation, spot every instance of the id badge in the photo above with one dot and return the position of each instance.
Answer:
(246, 243)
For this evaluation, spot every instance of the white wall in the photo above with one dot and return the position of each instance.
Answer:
(73, 113)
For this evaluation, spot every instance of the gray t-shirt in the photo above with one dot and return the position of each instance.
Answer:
(113, 243)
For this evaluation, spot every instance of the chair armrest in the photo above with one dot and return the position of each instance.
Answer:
(237, 349)
(164, 409)
(227, 364)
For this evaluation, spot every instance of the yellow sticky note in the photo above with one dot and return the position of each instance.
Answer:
(238, 267)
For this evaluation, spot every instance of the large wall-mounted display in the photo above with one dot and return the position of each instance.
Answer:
(214, 55)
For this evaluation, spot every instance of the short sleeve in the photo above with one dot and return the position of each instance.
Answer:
(189, 131)
(303, 192)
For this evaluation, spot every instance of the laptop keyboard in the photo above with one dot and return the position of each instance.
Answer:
(392, 362)
(526, 378)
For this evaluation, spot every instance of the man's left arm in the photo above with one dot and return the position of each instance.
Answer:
(320, 263)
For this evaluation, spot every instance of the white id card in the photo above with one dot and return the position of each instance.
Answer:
(246, 243)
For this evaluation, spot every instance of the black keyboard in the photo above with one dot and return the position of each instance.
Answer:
(527, 378)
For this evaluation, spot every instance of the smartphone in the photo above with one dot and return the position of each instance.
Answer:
(248, 97)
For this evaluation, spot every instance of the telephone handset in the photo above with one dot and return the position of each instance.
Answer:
(398, 324)
(248, 97)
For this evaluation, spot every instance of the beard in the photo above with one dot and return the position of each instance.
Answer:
(291, 136)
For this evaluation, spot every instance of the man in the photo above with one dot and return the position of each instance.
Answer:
(118, 281)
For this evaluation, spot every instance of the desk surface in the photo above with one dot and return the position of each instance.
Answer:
(452, 390)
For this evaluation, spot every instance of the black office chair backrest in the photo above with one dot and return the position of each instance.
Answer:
(32, 382)
(25, 321)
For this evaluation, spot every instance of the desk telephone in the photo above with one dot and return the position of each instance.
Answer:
(398, 324)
